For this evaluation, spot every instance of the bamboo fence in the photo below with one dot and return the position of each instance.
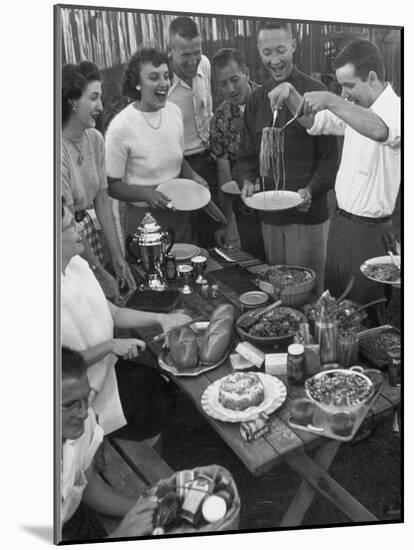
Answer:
(108, 37)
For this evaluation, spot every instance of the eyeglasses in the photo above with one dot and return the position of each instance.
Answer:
(75, 407)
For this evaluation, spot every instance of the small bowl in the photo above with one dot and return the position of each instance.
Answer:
(253, 299)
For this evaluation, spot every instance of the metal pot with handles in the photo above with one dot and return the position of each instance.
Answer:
(152, 244)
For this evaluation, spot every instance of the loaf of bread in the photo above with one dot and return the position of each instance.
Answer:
(218, 335)
(183, 348)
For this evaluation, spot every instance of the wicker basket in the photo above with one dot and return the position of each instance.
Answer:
(230, 522)
(294, 295)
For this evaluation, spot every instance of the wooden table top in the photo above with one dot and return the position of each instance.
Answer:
(282, 441)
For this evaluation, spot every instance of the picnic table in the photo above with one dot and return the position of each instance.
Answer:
(283, 443)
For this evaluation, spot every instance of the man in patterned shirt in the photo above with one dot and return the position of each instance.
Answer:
(232, 77)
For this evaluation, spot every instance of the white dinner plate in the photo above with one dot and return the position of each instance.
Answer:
(381, 260)
(184, 251)
(231, 188)
(269, 201)
(275, 395)
(185, 194)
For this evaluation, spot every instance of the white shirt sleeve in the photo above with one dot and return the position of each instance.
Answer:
(116, 151)
(392, 119)
(326, 123)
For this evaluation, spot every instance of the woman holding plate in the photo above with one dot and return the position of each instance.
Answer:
(145, 146)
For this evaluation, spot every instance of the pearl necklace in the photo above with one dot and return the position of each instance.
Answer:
(149, 123)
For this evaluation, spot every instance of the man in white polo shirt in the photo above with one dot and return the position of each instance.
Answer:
(368, 180)
(83, 492)
(191, 91)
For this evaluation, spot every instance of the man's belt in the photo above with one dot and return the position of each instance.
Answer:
(201, 154)
(361, 219)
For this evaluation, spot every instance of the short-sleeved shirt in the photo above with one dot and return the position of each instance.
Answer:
(77, 456)
(369, 176)
(86, 321)
(145, 149)
(225, 129)
(196, 105)
(83, 169)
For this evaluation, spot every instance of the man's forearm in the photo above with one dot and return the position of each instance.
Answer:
(362, 120)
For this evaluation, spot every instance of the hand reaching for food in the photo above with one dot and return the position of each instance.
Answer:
(128, 348)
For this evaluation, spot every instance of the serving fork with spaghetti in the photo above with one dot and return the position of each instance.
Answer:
(272, 151)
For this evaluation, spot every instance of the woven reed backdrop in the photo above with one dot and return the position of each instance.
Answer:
(108, 37)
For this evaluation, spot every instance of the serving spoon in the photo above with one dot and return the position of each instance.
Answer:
(394, 261)
(369, 304)
(251, 319)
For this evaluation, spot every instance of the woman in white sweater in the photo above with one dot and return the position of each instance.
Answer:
(145, 146)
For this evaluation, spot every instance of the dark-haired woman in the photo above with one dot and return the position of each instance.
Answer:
(83, 172)
(145, 145)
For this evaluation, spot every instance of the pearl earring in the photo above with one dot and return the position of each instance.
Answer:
(138, 88)
(73, 108)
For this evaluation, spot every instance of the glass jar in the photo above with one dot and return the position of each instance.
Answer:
(296, 365)
(326, 335)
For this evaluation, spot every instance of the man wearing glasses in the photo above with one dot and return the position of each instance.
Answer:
(81, 484)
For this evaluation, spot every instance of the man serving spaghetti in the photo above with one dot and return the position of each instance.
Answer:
(368, 180)
(297, 236)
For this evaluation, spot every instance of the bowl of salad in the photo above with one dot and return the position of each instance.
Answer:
(275, 327)
(291, 284)
(339, 390)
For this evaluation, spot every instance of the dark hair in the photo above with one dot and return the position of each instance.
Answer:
(224, 56)
(184, 27)
(75, 78)
(364, 55)
(73, 364)
(131, 76)
(274, 24)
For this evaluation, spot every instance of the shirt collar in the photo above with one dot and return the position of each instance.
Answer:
(384, 96)
(177, 80)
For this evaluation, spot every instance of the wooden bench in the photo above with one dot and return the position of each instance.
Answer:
(130, 467)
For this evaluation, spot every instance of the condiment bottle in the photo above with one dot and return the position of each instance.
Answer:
(296, 364)
(170, 267)
(394, 366)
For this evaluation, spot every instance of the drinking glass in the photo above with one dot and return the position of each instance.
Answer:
(184, 271)
(199, 264)
(342, 423)
(347, 348)
(301, 411)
